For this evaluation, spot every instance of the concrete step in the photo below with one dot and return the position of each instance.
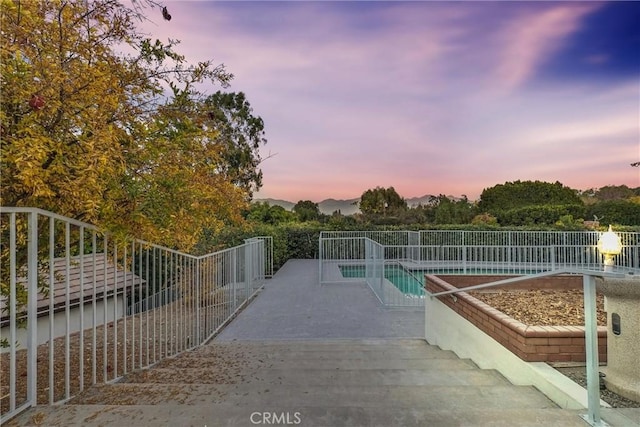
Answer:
(274, 395)
(213, 415)
(413, 349)
(459, 373)
(336, 383)
(328, 343)
(205, 363)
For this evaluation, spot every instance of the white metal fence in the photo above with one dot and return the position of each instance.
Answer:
(399, 237)
(391, 282)
(79, 307)
(566, 247)
(394, 267)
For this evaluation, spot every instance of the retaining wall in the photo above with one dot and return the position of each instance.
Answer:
(530, 343)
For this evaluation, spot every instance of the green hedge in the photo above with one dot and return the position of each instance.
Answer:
(301, 240)
(623, 212)
(538, 215)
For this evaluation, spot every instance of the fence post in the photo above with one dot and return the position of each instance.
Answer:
(320, 247)
(198, 304)
(32, 308)
(463, 250)
(591, 350)
(248, 267)
(234, 266)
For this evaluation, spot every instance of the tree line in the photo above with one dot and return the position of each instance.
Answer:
(518, 203)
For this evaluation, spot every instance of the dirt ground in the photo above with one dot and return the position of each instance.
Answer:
(142, 340)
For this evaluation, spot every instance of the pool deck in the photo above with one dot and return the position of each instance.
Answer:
(284, 310)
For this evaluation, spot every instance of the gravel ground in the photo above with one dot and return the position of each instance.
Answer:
(579, 375)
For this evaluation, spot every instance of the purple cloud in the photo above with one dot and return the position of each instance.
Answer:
(427, 97)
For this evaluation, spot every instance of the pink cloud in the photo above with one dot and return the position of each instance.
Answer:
(426, 97)
(533, 37)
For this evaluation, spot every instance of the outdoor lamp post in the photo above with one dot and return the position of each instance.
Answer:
(622, 304)
(609, 245)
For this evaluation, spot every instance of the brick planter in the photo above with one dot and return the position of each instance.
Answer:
(530, 343)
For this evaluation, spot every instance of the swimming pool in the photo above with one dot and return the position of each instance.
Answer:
(401, 278)
(408, 282)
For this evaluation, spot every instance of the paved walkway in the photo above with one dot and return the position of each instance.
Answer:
(294, 306)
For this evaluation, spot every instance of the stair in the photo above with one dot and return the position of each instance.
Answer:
(399, 382)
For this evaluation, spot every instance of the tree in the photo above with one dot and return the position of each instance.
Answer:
(307, 210)
(381, 201)
(241, 134)
(614, 192)
(622, 212)
(484, 219)
(530, 202)
(91, 132)
(539, 214)
(526, 193)
(63, 103)
(264, 213)
(449, 211)
(339, 221)
(172, 188)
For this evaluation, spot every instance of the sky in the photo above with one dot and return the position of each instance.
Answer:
(427, 97)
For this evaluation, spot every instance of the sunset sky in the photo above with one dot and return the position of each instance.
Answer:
(427, 97)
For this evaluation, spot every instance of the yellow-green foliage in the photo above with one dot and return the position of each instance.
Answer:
(90, 132)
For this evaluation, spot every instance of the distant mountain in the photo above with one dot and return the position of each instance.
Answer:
(415, 201)
(329, 206)
(346, 207)
(276, 202)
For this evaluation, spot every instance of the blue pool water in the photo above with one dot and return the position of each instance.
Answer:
(397, 275)
(409, 283)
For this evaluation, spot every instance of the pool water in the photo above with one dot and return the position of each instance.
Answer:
(408, 282)
(397, 275)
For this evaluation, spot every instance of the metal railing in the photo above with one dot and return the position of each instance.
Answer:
(266, 263)
(382, 237)
(80, 307)
(593, 416)
(569, 247)
(344, 255)
(393, 285)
